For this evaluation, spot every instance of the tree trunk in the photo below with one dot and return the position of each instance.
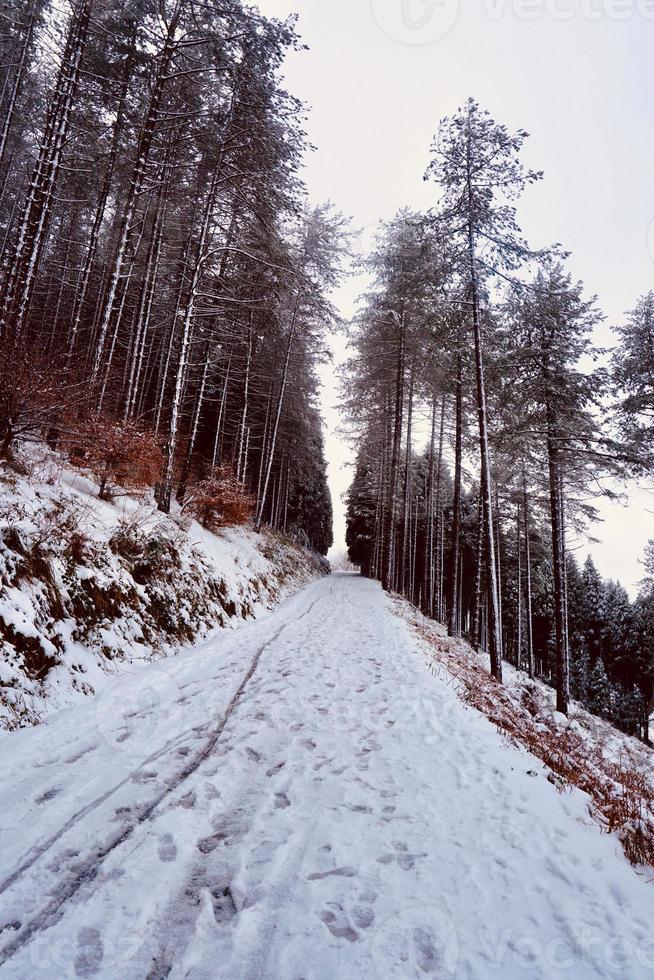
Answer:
(187, 327)
(405, 571)
(101, 207)
(494, 635)
(389, 579)
(278, 414)
(18, 81)
(453, 625)
(24, 262)
(146, 140)
(479, 575)
(558, 564)
(240, 464)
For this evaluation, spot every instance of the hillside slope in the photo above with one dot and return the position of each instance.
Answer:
(91, 588)
(303, 798)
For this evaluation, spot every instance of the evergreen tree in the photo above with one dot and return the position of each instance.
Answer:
(599, 691)
(633, 376)
(477, 165)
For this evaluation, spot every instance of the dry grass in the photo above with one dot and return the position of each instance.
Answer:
(621, 789)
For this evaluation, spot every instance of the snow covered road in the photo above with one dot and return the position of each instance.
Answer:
(302, 800)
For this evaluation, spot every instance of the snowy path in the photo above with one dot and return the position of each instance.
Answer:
(302, 800)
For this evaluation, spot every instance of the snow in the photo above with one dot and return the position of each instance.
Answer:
(303, 798)
(207, 582)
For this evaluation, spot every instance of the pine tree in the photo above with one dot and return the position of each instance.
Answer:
(477, 164)
(599, 691)
(633, 378)
(547, 333)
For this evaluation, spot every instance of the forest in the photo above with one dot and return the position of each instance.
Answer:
(165, 281)
(481, 345)
(167, 295)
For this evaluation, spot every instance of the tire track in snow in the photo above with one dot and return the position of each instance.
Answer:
(54, 910)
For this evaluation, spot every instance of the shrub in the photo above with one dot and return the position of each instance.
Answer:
(220, 501)
(33, 396)
(117, 452)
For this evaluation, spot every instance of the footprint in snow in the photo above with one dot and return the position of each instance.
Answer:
(209, 844)
(80, 755)
(341, 925)
(188, 801)
(90, 952)
(48, 795)
(275, 769)
(346, 872)
(167, 850)
(281, 801)
(145, 776)
(336, 921)
(363, 916)
(224, 906)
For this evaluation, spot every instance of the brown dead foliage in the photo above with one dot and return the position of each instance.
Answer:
(621, 790)
(119, 453)
(219, 501)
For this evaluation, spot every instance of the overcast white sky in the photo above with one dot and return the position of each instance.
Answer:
(577, 74)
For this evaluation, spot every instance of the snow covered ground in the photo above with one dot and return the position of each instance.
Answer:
(91, 588)
(303, 799)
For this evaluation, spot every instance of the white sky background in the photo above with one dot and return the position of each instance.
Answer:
(576, 74)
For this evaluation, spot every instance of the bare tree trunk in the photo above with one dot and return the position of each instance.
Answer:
(280, 402)
(221, 410)
(144, 311)
(530, 633)
(240, 465)
(389, 579)
(519, 590)
(405, 572)
(558, 559)
(24, 262)
(479, 574)
(195, 425)
(202, 254)
(494, 635)
(498, 549)
(19, 77)
(136, 184)
(428, 571)
(100, 210)
(453, 625)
